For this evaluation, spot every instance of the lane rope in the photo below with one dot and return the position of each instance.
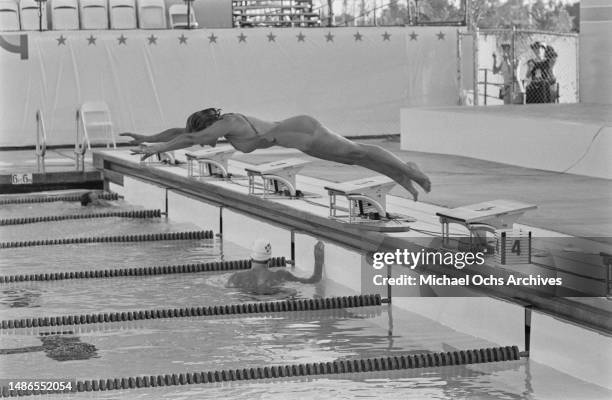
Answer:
(145, 237)
(358, 365)
(108, 214)
(326, 303)
(53, 198)
(140, 271)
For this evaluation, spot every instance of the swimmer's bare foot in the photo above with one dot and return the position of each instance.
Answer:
(407, 184)
(419, 177)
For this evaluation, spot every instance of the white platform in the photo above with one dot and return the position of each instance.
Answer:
(573, 138)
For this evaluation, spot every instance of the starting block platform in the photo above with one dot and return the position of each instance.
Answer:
(278, 177)
(488, 216)
(211, 162)
(160, 158)
(367, 204)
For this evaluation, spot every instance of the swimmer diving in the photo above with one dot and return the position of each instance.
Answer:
(302, 132)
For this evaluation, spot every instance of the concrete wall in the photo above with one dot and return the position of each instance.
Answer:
(512, 138)
(596, 51)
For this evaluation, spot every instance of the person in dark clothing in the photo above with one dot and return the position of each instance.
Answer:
(542, 86)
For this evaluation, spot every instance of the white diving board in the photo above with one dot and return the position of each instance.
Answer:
(367, 197)
(488, 216)
(275, 175)
(211, 161)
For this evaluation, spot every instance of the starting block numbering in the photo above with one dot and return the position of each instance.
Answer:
(496, 217)
(366, 198)
(213, 161)
(276, 175)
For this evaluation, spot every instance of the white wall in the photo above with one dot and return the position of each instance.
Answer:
(512, 138)
(596, 51)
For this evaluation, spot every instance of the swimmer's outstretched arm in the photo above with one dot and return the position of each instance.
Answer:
(208, 136)
(164, 136)
(319, 256)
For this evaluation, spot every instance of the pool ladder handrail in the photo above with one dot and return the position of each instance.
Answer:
(82, 141)
(41, 141)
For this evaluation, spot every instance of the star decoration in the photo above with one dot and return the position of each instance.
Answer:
(440, 35)
(152, 39)
(212, 38)
(301, 37)
(91, 40)
(329, 37)
(242, 38)
(386, 36)
(182, 39)
(413, 36)
(358, 36)
(271, 37)
(122, 39)
(61, 40)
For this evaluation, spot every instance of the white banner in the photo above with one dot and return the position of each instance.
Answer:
(355, 80)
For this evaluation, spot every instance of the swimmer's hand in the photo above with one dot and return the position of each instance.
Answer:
(319, 253)
(146, 151)
(137, 139)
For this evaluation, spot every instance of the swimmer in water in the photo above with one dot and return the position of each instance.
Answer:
(302, 132)
(261, 280)
(92, 199)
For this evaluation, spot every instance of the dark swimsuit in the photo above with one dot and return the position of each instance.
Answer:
(247, 120)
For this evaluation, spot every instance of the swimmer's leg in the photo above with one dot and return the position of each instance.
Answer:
(333, 147)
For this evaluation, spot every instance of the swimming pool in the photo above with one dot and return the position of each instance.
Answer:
(179, 345)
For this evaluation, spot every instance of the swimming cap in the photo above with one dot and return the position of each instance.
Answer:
(261, 250)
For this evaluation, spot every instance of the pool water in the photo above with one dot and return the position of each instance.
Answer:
(178, 345)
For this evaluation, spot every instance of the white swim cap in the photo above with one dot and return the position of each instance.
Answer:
(261, 250)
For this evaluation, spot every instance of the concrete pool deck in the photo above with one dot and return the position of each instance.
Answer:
(572, 204)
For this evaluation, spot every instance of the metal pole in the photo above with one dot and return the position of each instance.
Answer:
(513, 64)
(459, 66)
(189, 14)
(40, 13)
(486, 83)
(476, 101)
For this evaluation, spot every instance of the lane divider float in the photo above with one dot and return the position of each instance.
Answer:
(109, 214)
(53, 198)
(141, 271)
(145, 237)
(288, 305)
(358, 365)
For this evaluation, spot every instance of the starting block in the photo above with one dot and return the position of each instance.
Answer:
(212, 161)
(276, 175)
(512, 247)
(489, 216)
(161, 158)
(367, 198)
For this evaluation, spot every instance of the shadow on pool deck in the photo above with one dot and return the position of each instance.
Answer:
(573, 204)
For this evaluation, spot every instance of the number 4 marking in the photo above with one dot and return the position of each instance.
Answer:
(516, 247)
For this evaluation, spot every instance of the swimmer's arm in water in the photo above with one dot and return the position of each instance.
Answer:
(319, 256)
(239, 279)
(208, 136)
(164, 136)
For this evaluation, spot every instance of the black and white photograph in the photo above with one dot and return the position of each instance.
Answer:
(306, 199)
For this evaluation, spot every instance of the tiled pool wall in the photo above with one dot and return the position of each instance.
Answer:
(571, 349)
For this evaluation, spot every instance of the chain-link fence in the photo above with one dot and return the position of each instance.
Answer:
(523, 67)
